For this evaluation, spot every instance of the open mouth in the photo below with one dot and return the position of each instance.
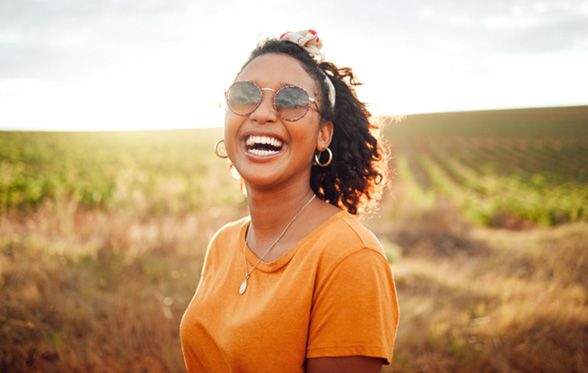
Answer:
(263, 145)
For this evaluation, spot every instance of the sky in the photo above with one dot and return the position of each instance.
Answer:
(164, 64)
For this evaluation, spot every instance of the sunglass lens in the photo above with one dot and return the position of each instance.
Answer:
(243, 97)
(292, 103)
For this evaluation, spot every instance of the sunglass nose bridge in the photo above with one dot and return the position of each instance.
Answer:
(271, 99)
(267, 89)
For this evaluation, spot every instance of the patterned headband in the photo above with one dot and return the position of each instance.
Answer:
(309, 40)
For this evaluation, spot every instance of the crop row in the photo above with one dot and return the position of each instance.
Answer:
(490, 185)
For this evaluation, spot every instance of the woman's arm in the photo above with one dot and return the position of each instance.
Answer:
(351, 364)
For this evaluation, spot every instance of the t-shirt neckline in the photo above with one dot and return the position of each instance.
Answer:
(282, 260)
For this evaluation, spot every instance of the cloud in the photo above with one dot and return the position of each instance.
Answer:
(69, 39)
(557, 32)
(38, 34)
(158, 50)
(499, 26)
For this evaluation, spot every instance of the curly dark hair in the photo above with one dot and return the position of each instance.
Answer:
(355, 179)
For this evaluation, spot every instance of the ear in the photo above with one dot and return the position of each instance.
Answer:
(325, 135)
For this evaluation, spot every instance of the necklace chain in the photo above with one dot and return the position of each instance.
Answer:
(247, 271)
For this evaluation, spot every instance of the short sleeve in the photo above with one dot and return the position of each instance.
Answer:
(355, 309)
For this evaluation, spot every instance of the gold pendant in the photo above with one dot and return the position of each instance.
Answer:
(243, 287)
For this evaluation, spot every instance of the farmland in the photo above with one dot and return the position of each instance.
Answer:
(485, 224)
(532, 169)
(527, 166)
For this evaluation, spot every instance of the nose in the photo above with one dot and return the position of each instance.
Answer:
(265, 112)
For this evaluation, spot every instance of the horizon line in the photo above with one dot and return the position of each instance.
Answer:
(214, 127)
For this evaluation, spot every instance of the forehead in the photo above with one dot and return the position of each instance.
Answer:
(274, 70)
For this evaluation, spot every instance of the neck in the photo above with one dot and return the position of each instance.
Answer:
(272, 210)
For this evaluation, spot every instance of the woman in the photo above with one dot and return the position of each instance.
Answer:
(300, 284)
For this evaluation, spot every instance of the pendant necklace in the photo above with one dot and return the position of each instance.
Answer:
(248, 273)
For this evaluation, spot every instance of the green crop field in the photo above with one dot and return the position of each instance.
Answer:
(529, 164)
(102, 237)
(154, 172)
(498, 166)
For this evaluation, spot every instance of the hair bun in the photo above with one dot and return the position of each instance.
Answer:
(307, 39)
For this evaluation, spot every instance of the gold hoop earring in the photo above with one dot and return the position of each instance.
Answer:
(217, 151)
(317, 158)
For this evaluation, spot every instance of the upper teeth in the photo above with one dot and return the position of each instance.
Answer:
(251, 140)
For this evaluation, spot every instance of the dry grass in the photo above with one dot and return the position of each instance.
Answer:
(92, 291)
(95, 292)
(478, 299)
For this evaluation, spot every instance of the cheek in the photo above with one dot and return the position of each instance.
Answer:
(309, 130)
(232, 123)
(306, 137)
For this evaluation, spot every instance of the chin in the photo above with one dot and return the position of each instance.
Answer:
(260, 181)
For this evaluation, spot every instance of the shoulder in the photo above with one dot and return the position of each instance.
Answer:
(227, 235)
(230, 230)
(344, 236)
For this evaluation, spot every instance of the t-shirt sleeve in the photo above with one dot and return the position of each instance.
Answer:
(355, 309)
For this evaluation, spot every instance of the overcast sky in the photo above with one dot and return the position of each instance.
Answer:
(106, 64)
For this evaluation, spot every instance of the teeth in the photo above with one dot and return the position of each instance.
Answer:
(262, 152)
(252, 140)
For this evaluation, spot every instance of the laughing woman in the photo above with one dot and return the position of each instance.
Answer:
(300, 285)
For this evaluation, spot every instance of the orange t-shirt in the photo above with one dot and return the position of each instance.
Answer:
(332, 294)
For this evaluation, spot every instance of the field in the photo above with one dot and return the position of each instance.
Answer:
(485, 225)
(500, 167)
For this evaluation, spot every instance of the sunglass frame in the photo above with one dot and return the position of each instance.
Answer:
(276, 93)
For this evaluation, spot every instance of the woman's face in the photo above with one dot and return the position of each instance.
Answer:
(292, 143)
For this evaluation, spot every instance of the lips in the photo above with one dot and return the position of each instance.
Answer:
(263, 145)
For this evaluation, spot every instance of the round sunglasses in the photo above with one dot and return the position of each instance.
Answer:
(290, 102)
